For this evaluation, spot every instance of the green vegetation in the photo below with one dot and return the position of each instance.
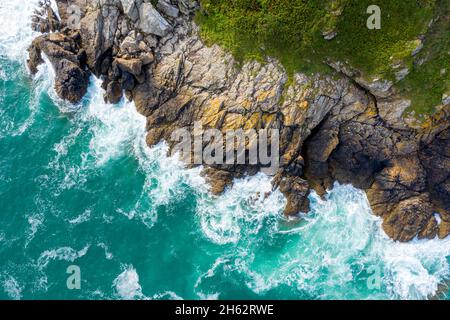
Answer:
(292, 31)
(426, 83)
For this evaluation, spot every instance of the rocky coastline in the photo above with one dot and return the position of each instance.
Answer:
(332, 128)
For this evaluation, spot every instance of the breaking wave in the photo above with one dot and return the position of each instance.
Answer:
(332, 252)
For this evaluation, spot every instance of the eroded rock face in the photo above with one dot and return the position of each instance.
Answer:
(98, 29)
(168, 9)
(131, 8)
(44, 19)
(152, 22)
(68, 61)
(331, 128)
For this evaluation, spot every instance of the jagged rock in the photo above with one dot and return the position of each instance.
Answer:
(145, 98)
(404, 178)
(113, 92)
(430, 230)
(434, 155)
(329, 35)
(218, 179)
(44, 19)
(128, 82)
(296, 191)
(188, 6)
(409, 218)
(34, 58)
(71, 10)
(71, 81)
(67, 60)
(343, 128)
(392, 110)
(444, 229)
(98, 31)
(401, 74)
(131, 8)
(133, 66)
(168, 9)
(380, 88)
(152, 22)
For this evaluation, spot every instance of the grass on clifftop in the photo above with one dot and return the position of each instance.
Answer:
(292, 31)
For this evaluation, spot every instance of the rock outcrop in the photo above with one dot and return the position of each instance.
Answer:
(68, 61)
(339, 128)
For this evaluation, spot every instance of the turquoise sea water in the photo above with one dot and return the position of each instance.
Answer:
(78, 186)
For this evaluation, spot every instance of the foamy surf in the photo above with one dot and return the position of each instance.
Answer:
(333, 255)
(241, 210)
(337, 241)
(330, 254)
(11, 287)
(15, 28)
(127, 285)
(62, 254)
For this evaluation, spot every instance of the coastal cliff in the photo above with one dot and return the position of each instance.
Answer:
(333, 127)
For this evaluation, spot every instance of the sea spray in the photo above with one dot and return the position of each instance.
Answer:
(85, 189)
(325, 255)
(15, 28)
(332, 253)
(127, 284)
(241, 210)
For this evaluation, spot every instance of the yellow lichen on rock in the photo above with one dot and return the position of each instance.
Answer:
(253, 122)
(212, 116)
(233, 121)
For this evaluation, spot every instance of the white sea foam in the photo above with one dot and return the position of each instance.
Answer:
(42, 83)
(15, 28)
(414, 270)
(327, 255)
(116, 131)
(85, 216)
(115, 127)
(108, 254)
(209, 296)
(12, 287)
(35, 221)
(168, 295)
(246, 204)
(127, 285)
(220, 262)
(16, 36)
(119, 130)
(61, 254)
(339, 236)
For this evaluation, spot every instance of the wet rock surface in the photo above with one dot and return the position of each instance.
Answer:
(339, 128)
